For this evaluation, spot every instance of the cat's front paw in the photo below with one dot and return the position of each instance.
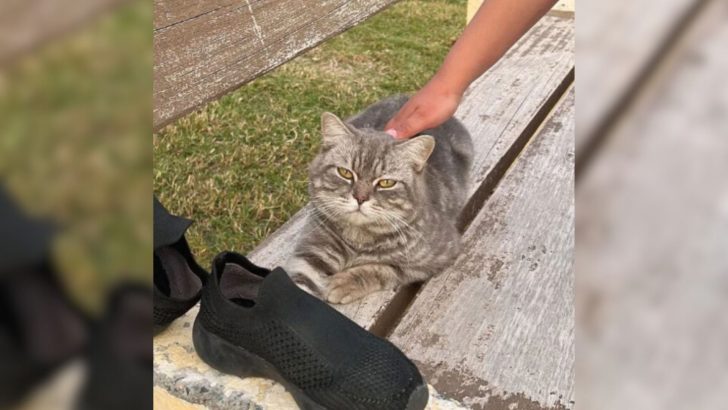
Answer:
(345, 288)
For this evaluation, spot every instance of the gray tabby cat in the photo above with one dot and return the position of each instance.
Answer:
(384, 210)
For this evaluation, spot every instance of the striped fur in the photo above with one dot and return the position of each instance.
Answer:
(399, 235)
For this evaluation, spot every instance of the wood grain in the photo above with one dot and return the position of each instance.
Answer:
(497, 328)
(203, 50)
(652, 228)
(497, 109)
(618, 41)
(171, 12)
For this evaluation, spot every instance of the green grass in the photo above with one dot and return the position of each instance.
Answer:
(75, 124)
(238, 166)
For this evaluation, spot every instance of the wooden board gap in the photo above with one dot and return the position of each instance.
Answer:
(490, 183)
(623, 104)
(387, 321)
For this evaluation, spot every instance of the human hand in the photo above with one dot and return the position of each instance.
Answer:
(434, 104)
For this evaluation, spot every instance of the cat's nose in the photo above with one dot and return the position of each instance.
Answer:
(361, 197)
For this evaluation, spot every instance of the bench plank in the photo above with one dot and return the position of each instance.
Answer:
(206, 49)
(497, 109)
(653, 235)
(170, 12)
(497, 328)
(617, 42)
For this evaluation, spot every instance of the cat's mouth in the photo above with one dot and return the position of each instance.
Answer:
(352, 213)
(358, 216)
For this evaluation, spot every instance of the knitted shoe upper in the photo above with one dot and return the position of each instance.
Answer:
(333, 360)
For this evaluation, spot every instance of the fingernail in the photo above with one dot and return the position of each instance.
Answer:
(392, 132)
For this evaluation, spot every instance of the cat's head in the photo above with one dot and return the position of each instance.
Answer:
(365, 177)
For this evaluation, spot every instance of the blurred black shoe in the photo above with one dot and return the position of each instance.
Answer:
(120, 354)
(24, 241)
(40, 328)
(178, 279)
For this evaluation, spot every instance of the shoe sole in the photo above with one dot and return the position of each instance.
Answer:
(159, 329)
(228, 358)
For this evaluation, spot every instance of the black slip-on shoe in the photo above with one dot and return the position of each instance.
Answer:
(178, 279)
(258, 323)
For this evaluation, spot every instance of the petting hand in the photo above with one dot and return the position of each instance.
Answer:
(434, 104)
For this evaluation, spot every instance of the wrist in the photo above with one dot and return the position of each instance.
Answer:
(448, 84)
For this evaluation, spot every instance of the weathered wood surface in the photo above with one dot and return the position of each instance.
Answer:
(652, 226)
(25, 24)
(618, 40)
(502, 110)
(497, 110)
(203, 50)
(497, 328)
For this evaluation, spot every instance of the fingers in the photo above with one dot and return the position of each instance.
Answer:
(427, 109)
(411, 125)
(399, 117)
(407, 124)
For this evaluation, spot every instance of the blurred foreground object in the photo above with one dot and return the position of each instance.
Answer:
(40, 329)
(75, 120)
(652, 205)
(120, 357)
(25, 24)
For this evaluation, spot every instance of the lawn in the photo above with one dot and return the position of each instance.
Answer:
(75, 120)
(238, 167)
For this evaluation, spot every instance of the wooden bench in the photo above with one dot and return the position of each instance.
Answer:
(493, 331)
(651, 194)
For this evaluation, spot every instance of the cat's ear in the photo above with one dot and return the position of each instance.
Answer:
(418, 150)
(333, 130)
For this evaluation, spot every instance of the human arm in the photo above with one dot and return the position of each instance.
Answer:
(496, 26)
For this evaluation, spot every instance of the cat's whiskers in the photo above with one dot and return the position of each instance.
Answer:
(323, 211)
(414, 231)
(392, 222)
(404, 223)
(405, 242)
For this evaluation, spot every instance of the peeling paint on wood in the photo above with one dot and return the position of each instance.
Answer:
(203, 50)
(476, 339)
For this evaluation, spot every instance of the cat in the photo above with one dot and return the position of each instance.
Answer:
(384, 210)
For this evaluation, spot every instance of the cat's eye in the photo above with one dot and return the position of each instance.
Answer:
(386, 183)
(345, 173)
